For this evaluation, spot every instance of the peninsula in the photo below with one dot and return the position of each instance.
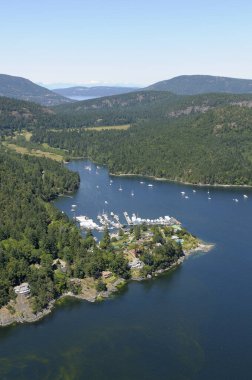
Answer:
(132, 253)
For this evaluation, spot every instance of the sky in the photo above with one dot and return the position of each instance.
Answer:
(124, 42)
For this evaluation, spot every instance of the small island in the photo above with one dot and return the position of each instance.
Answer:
(137, 252)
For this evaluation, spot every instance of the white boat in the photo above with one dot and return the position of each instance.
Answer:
(186, 197)
(194, 191)
(106, 202)
(141, 182)
(245, 196)
(150, 185)
(97, 186)
(88, 168)
(120, 188)
(209, 198)
(132, 193)
(182, 193)
(236, 200)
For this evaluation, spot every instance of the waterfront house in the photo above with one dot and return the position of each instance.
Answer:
(23, 289)
(106, 274)
(136, 264)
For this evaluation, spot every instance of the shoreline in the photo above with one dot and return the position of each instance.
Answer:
(161, 179)
(24, 313)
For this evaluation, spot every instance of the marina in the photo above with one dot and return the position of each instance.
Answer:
(112, 221)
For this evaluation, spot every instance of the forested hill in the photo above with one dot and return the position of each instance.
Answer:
(18, 114)
(199, 84)
(210, 148)
(143, 105)
(24, 89)
(96, 91)
(120, 109)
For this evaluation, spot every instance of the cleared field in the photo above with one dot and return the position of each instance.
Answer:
(108, 127)
(34, 152)
(101, 128)
(27, 135)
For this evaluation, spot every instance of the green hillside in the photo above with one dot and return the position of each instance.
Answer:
(214, 147)
(18, 114)
(142, 105)
(199, 139)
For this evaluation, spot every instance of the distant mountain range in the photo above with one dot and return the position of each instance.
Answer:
(23, 89)
(97, 91)
(200, 84)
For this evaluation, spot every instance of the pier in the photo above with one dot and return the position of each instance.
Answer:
(112, 221)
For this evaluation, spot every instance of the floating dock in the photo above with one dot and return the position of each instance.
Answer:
(163, 221)
(112, 221)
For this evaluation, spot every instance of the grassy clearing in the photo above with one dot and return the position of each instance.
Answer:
(27, 135)
(109, 127)
(35, 152)
(100, 128)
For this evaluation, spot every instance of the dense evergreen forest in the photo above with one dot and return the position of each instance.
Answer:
(213, 147)
(142, 106)
(114, 110)
(200, 139)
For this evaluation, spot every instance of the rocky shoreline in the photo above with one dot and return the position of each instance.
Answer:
(20, 310)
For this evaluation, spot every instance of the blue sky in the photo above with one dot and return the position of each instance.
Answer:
(124, 42)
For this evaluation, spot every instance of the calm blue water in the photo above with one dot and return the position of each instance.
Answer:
(193, 323)
(79, 97)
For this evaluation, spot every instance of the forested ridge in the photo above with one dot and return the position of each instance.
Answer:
(113, 110)
(143, 106)
(199, 139)
(214, 147)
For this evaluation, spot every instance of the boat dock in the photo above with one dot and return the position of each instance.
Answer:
(163, 221)
(112, 221)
